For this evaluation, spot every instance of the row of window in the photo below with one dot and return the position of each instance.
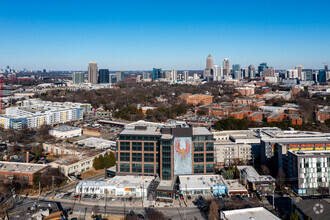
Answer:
(137, 157)
(155, 138)
(136, 168)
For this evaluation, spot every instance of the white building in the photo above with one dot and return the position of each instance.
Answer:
(117, 186)
(258, 213)
(65, 132)
(34, 113)
(97, 143)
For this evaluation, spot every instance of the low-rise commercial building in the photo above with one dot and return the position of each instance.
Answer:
(72, 159)
(11, 172)
(234, 188)
(117, 186)
(256, 182)
(200, 184)
(258, 213)
(65, 132)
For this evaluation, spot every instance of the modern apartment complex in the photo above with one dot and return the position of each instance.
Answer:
(78, 77)
(174, 148)
(309, 171)
(35, 113)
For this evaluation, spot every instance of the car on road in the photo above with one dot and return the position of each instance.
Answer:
(94, 196)
(131, 213)
(87, 196)
(189, 197)
(76, 196)
(140, 216)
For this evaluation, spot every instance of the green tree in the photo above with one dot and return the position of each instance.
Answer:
(98, 163)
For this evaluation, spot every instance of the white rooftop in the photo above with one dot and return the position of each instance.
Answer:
(258, 213)
(192, 182)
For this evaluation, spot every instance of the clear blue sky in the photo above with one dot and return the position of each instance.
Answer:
(140, 35)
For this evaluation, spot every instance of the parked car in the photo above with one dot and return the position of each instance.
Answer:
(189, 196)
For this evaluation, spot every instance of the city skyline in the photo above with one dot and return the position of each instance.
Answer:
(179, 36)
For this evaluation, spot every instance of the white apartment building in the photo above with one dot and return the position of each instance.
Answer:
(34, 113)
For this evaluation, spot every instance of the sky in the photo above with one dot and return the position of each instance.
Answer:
(141, 35)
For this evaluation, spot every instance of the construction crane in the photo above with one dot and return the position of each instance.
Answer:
(2, 80)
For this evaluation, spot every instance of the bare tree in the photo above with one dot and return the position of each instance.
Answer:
(213, 211)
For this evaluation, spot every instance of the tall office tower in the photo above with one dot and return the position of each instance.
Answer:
(209, 70)
(185, 75)
(322, 77)
(209, 62)
(291, 73)
(92, 72)
(268, 72)
(307, 75)
(326, 67)
(261, 68)
(120, 76)
(78, 77)
(252, 71)
(145, 75)
(104, 76)
(179, 76)
(174, 76)
(218, 73)
(156, 74)
(168, 75)
(113, 78)
(299, 68)
(237, 71)
(226, 67)
(246, 72)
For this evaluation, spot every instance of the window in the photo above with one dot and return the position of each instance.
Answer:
(166, 143)
(209, 146)
(124, 156)
(149, 146)
(209, 157)
(148, 157)
(137, 146)
(137, 157)
(136, 168)
(198, 158)
(199, 168)
(198, 147)
(166, 148)
(166, 174)
(209, 168)
(124, 167)
(148, 168)
(125, 146)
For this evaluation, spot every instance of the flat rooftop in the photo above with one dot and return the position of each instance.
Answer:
(128, 181)
(304, 153)
(191, 182)
(65, 128)
(96, 142)
(234, 185)
(258, 213)
(253, 175)
(16, 167)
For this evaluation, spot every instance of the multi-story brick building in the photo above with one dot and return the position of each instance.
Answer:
(323, 114)
(145, 148)
(196, 99)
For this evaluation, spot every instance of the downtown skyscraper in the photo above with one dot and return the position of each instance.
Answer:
(92, 73)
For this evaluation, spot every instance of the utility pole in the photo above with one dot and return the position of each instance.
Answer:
(105, 202)
(39, 188)
(53, 177)
(273, 199)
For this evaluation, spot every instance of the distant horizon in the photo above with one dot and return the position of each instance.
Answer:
(141, 35)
